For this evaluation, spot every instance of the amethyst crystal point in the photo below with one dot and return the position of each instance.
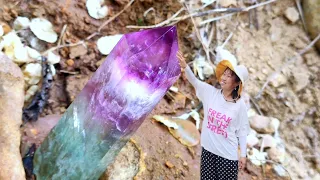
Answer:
(112, 105)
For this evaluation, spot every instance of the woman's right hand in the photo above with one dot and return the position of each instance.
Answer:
(182, 61)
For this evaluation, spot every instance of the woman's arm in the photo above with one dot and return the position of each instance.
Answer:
(242, 133)
(243, 146)
(192, 78)
(243, 152)
(202, 88)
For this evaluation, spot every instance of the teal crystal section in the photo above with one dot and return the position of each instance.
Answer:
(123, 91)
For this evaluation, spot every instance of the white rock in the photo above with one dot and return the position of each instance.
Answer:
(53, 58)
(256, 157)
(53, 69)
(34, 54)
(301, 80)
(275, 123)
(269, 141)
(32, 73)
(95, 10)
(21, 23)
(253, 132)
(174, 89)
(31, 92)
(251, 112)
(292, 14)
(42, 28)
(276, 154)
(21, 54)
(203, 68)
(195, 115)
(261, 124)
(10, 42)
(252, 140)
(1, 31)
(227, 3)
(279, 80)
(207, 1)
(207, 70)
(279, 170)
(106, 44)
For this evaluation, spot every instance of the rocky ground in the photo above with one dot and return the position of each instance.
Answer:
(263, 39)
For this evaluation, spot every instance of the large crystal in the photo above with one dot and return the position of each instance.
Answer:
(112, 105)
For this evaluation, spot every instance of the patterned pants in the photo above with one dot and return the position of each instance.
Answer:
(214, 167)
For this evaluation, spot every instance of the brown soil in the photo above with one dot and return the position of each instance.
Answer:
(154, 153)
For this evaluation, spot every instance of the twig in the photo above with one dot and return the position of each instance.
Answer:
(62, 34)
(204, 6)
(216, 18)
(210, 36)
(199, 36)
(115, 16)
(274, 74)
(109, 20)
(69, 72)
(218, 10)
(258, 5)
(231, 14)
(147, 11)
(62, 46)
(170, 96)
(181, 18)
(298, 2)
(160, 24)
(256, 106)
(226, 41)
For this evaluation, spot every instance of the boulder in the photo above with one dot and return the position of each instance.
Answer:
(262, 124)
(11, 103)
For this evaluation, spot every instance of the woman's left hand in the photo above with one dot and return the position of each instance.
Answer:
(242, 163)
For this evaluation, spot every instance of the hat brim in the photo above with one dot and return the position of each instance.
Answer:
(222, 66)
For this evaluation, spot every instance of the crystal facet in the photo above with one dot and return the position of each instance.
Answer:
(113, 104)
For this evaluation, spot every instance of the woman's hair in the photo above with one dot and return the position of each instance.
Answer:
(236, 90)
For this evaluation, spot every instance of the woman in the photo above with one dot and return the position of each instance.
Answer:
(225, 123)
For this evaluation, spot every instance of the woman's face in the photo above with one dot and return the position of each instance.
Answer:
(228, 80)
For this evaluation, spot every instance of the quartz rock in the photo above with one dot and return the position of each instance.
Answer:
(269, 141)
(276, 154)
(113, 104)
(262, 124)
(292, 14)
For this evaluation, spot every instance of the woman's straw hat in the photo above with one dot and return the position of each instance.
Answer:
(240, 70)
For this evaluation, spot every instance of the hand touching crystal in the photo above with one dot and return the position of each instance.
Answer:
(182, 61)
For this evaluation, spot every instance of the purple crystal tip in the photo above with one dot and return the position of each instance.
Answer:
(142, 66)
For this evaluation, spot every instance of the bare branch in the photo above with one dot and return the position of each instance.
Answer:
(115, 16)
(298, 2)
(231, 14)
(226, 41)
(160, 24)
